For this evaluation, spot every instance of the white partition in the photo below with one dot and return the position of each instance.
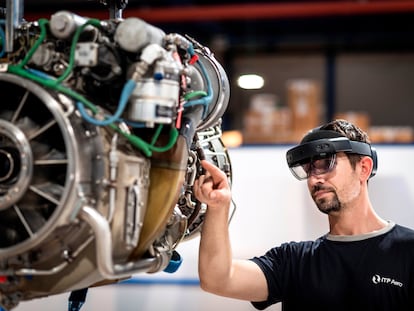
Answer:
(272, 207)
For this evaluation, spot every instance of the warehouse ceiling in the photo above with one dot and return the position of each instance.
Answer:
(245, 26)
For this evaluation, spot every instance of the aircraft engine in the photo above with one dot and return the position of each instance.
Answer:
(103, 124)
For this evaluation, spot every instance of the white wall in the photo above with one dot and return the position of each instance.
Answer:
(272, 207)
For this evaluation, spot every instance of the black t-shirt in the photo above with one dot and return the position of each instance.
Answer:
(366, 272)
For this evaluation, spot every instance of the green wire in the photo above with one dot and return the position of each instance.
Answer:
(56, 85)
(42, 24)
(195, 94)
(156, 135)
(133, 139)
(173, 138)
(147, 148)
(52, 85)
(78, 32)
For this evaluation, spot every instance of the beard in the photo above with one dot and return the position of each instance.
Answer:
(327, 205)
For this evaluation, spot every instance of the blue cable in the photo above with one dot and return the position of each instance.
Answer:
(3, 41)
(205, 101)
(126, 93)
(40, 74)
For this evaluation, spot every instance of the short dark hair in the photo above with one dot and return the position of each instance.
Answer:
(352, 132)
(347, 129)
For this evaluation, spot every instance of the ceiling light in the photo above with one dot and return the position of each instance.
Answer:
(232, 139)
(250, 82)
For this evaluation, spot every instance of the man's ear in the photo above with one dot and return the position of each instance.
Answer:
(367, 165)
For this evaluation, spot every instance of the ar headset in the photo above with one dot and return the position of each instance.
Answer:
(322, 145)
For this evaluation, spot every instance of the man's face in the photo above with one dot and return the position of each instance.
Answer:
(335, 190)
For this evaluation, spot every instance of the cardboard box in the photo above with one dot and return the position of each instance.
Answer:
(263, 102)
(263, 128)
(304, 101)
(391, 134)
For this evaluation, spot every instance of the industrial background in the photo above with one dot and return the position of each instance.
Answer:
(319, 60)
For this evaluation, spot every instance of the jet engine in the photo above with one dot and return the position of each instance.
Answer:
(103, 124)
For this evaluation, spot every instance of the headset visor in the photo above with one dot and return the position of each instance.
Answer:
(316, 166)
(316, 156)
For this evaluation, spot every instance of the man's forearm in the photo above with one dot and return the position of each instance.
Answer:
(215, 255)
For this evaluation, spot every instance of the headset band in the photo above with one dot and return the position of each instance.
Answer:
(325, 147)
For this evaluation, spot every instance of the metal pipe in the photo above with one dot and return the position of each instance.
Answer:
(103, 240)
(51, 271)
(14, 16)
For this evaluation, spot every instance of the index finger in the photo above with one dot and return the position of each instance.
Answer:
(216, 174)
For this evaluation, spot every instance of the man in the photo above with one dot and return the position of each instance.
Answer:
(363, 263)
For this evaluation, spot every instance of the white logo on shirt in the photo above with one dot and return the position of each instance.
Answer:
(377, 279)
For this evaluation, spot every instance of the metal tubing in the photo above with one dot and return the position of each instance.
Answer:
(103, 240)
(14, 16)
